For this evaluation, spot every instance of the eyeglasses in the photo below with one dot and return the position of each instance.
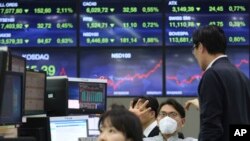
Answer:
(195, 46)
(171, 114)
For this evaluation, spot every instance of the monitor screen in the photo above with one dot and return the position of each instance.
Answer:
(68, 128)
(183, 73)
(56, 99)
(87, 96)
(11, 102)
(93, 129)
(240, 58)
(17, 63)
(183, 16)
(3, 67)
(38, 23)
(52, 61)
(34, 92)
(121, 23)
(130, 72)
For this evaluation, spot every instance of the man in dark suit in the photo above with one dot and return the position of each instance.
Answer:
(148, 121)
(224, 91)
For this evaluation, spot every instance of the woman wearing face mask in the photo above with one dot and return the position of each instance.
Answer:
(118, 124)
(171, 119)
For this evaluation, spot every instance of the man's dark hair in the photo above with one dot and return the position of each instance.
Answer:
(212, 37)
(177, 106)
(152, 103)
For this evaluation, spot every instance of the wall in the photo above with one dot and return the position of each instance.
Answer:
(191, 128)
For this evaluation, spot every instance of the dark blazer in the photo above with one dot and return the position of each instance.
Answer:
(224, 96)
(154, 132)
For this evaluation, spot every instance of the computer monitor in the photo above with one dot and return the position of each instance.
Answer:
(56, 99)
(17, 63)
(19, 139)
(93, 130)
(68, 128)
(87, 96)
(67, 95)
(35, 90)
(12, 95)
(3, 67)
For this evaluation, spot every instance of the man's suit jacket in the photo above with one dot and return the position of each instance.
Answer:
(154, 132)
(224, 95)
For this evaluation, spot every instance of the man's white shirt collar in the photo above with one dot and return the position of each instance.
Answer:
(211, 63)
(147, 131)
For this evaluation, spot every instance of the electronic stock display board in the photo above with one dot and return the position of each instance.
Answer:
(55, 62)
(183, 73)
(45, 28)
(121, 23)
(38, 23)
(130, 72)
(183, 16)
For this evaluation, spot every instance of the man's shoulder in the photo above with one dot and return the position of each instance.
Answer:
(160, 138)
(190, 139)
(155, 138)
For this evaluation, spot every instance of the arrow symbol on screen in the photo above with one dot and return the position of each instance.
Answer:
(112, 24)
(112, 40)
(112, 9)
(26, 41)
(26, 25)
(198, 8)
(26, 10)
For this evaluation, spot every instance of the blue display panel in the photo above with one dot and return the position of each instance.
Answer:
(53, 61)
(183, 73)
(121, 23)
(183, 16)
(240, 57)
(33, 23)
(130, 72)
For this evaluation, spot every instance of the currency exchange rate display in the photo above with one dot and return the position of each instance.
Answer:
(37, 23)
(183, 16)
(121, 23)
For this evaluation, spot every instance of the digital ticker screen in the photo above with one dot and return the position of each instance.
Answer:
(57, 62)
(183, 73)
(130, 72)
(121, 23)
(34, 23)
(183, 16)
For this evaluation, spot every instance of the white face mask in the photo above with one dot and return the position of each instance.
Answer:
(167, 125)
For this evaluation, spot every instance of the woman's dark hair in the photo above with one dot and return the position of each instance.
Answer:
(124, 121)
(177, 106)
(212, 37)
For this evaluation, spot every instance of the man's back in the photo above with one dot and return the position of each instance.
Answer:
(225, 100)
